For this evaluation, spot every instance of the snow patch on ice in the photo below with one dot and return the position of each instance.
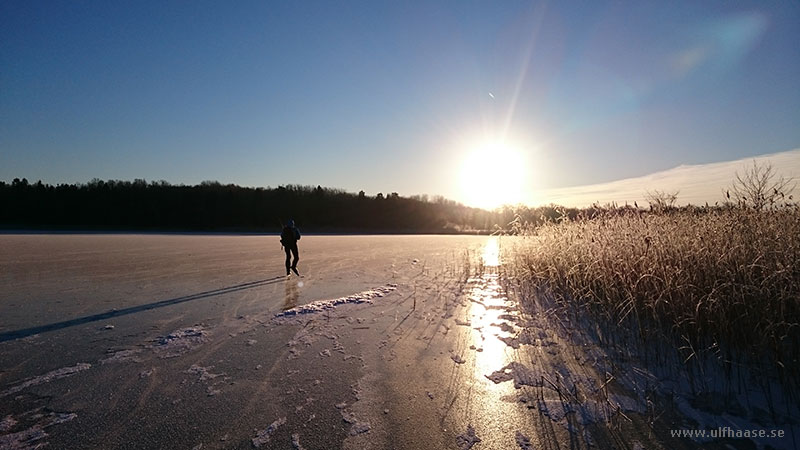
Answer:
(32, 437)
(122, 356)
(48, 377)
(180, 341)
(520, 373)
(523, 441)
(457, 359)
(263, 436)
(204, 375)
(296, 442)
(359, 428)
(504, 326)
(322, 305)
(32, 339)
(24, 440)
(466, 440)
(203, 372)
(7, 423)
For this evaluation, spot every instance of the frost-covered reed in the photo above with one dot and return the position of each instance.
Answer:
(719, 284)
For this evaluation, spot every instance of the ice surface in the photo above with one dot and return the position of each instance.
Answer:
(466, 440)
(264, 436)
(23, 440)
(202, 372)
(181, 341)
(520, 373)
(457, 359)
(183, 296)
(359, 428)
(32, 437)
(48, 377)
(523, 441)
(296, 442)
(7, 423)
(123, 356)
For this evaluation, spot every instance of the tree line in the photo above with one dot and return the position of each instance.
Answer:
(212, 206)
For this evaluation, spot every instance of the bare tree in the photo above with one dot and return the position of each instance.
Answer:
(759, 186)
(661, 200)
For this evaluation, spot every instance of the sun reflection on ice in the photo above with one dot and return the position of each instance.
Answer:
(491, 253)
(494, 407)
(488, 312)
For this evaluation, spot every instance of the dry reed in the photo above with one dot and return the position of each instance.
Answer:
(719, 284)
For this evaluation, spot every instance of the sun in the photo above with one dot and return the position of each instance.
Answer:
(493, 174)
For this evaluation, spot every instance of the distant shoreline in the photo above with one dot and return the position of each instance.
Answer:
(24, 231)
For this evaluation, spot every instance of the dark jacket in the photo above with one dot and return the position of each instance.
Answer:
(290, 236)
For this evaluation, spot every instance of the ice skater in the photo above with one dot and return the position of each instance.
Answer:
(289, 237)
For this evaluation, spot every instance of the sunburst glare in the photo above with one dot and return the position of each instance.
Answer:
(493, 174)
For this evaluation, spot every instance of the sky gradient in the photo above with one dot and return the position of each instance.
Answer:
(391, 96)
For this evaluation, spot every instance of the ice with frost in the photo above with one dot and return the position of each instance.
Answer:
(523, 441)
(180, 341)
(521, 374)
(122, 356)
(7, 423)
(25, 439)
(296, 442)
(203, 372)
(359, 428)
(31, 438)
(322, 305)
(468, 439)
(348, 417)
(48, 377)
(265, 435)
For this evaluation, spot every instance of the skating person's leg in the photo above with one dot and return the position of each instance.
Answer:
(296, 255)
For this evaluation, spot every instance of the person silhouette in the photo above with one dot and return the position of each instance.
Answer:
(289, 237)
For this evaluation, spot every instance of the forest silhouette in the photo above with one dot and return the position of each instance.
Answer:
(137, 205)
(212, 206)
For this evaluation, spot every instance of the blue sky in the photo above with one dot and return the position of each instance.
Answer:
(391, 96)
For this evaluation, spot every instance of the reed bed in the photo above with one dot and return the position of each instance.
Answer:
(715, 284)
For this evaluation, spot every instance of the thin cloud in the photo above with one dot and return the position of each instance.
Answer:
(697, 184)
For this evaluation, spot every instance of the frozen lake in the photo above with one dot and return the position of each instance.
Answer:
(170, 341)
(47, 279)
(386, 342)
